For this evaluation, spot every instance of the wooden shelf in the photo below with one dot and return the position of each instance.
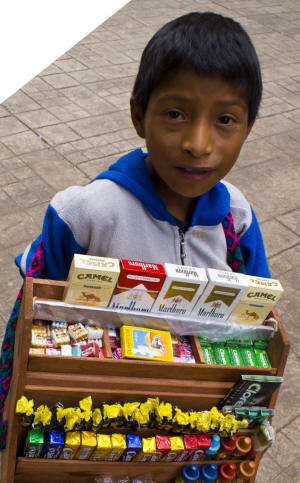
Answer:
(48, 379)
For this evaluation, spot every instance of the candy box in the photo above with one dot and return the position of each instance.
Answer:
(103, 448)
(140, 343)
(72, 443)
(91, 280)
(222, 293)
(88, 445)
(34, 443)
(134, 446)
(176, 451)
(118, 446)
(138, 285)
(54, 444)
(149, 451)
(181, 289)
(257, 301)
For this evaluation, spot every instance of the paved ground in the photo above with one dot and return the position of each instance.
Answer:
(79, 105)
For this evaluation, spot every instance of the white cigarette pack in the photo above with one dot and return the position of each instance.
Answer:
(257, 301)
(181, 289)
(222, 293)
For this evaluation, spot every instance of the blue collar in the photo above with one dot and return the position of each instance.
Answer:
(131, 172)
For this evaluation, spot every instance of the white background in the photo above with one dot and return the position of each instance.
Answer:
(34, 33)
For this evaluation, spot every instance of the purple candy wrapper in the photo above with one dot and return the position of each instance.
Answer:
(134, 446)
(53, 445)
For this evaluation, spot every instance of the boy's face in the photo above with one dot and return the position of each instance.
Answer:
(194, 128)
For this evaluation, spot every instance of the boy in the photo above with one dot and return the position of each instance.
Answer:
(195, 99)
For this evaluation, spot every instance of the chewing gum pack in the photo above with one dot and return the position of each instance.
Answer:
(91, 280)
(138, 285)
(222, 293)
(181, 289)
(257, 301)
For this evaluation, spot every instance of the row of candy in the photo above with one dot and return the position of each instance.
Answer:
(66, 339)
(135, 415)
(235, 352)
(86, 445)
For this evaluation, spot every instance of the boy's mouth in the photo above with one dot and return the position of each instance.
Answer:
(196, 173)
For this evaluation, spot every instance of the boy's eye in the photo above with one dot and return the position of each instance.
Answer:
(174, 114)
(226, 119)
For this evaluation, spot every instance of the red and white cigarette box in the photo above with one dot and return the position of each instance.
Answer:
(138, 285)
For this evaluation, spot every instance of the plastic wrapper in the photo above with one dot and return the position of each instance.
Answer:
(107, 318)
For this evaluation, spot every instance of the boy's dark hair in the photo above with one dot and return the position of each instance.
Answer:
(208, 43)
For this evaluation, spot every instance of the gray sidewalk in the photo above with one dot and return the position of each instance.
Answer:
(72, 121)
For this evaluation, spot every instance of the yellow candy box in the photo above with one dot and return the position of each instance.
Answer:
(150, 344)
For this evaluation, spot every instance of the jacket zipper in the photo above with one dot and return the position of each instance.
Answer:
(182, 246)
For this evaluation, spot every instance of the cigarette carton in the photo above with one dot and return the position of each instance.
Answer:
(91, 280)
(222, 293)
(257, 301)
(140, 343)
(138, 285)
(181, 289)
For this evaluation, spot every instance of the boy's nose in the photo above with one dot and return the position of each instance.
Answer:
(197, 139)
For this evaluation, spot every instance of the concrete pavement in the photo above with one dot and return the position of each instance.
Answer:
(72, 121)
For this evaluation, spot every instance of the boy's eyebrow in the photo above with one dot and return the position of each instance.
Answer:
(177, 97)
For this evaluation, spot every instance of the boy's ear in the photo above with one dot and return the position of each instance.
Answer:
(137, 118)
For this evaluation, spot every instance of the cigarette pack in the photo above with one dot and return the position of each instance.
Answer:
(138, 285)
(222, 293)
(251, 390)
(141, 343)
(257, 301)
(91, 280)
(181, 289)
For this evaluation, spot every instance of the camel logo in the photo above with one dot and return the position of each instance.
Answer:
(250, 315)
(221, 294)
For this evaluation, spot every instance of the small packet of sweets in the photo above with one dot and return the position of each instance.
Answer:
(149, 452)
(177, 448)
(42, 417)
(181, 420)
(134, 446)
(60, 336)
(77, 332)
(54, 443)
(72, 419)
(86, 413)
(190, 443)
(88, 445)
(97, 420)
(25, 407)
(38, 336)
(129, 409)
(34, 443)
(72, 443)
(162, 443)
(103, 448)
(91, 349)
(235, 354)
(260, 349)
(112, 415)
(248, 353)
(164, 414)
(118, 444)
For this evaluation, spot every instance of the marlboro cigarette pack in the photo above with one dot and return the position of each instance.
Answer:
(138, 285)
(222, 293)
(257, 301)
(91, 280)
(182, 287)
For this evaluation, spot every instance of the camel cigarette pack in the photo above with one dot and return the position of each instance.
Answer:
(181, 289)
(138, 285)
(222, 293)
(91, 280)
(150, 344)
(251, 390)
(257, 301)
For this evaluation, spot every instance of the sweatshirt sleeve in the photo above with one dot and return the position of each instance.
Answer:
(253, 250)
(59, 244)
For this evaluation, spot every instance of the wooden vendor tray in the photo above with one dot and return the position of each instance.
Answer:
(49, 379)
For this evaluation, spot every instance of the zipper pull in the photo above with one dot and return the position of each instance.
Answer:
(182, 247)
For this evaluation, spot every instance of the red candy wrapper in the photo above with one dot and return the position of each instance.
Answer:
(163, 443)
(190, 442)
(90, 350)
